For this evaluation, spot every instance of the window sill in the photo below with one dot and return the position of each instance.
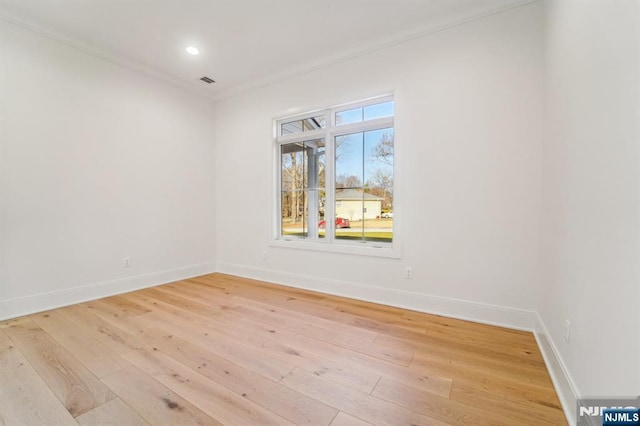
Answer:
(359, 249)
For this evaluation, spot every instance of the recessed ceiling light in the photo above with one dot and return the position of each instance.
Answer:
(193, 50)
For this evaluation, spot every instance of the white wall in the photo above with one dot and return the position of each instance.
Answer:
(96, 163)
(591, 193)
(468, 102)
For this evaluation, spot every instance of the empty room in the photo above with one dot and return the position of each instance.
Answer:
(345, 213)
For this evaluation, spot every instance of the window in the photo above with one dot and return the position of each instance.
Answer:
(337, 163)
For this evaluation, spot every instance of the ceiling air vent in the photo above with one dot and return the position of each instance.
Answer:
(207, 80)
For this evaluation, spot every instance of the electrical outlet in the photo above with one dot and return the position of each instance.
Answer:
(126, 262)
(265, 255)
(567, 331)
(408, 272)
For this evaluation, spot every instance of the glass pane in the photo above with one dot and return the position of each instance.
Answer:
(319, 122)
(349, 186)
(349, 116)
(384, 109)
(322, 199)
(302, 187)
(349, 160)
(315, 153)
(378, 178)
(292, 178)
(303, 125)
(378, 156)
(291, 127)
(293, 214)
(364, 186)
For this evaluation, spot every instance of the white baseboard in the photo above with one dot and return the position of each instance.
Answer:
(564, 385)
(44, 301)
(478, 312)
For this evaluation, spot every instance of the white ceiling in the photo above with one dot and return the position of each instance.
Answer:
(243, 43)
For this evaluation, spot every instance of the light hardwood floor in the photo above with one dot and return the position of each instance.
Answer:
(218, 349)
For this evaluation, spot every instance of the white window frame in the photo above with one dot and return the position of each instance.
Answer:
(328, 134)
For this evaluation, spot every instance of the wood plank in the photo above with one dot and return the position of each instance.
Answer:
(153, 401)
(253, 332)
(216, 400)
(112, 413)
(512, 343)
(176, 300)
(355, 361)
(237, 331)
(501, 386)
(270, 322)
(344, 419)
(25, 399)
(355, 403)
(519, 346)
(125, 305)
(233, 301)
(14, 321)
(509, 407)
(282, 320)
(220, 345)
(70, 381)
(347, 374)
(386, 315)
(487, 379)
(334, 370)
(232, 283)
(301, 302)
(463, 364)
(108, 334)
(443, 409)
(451, 353)
(98, 358)
(283, 401)
(112, 314)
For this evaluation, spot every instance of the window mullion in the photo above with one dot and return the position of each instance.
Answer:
(366, 126)
(330, 202)
(364, 185)
(278, 191)
(300, 137)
